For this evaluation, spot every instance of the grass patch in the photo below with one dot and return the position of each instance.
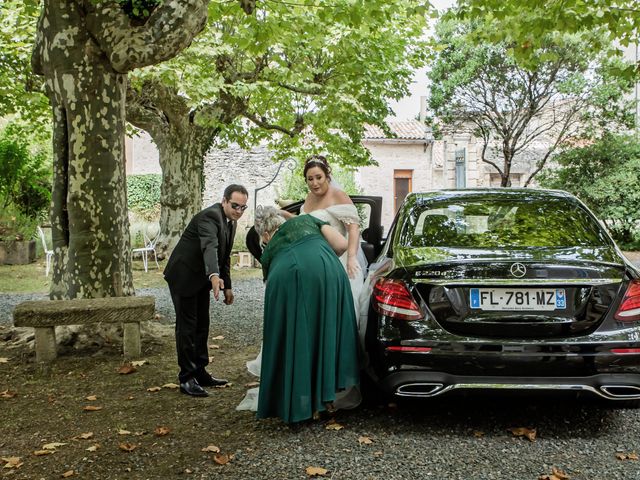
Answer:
(31, 279)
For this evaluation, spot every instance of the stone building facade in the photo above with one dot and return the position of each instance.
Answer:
(410, 161)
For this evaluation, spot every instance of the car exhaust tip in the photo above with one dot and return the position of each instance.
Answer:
(621, 392)
(420, 389)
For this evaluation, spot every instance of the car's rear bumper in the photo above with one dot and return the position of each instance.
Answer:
(424, 384)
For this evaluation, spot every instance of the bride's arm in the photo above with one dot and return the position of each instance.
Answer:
(352, 249)
(353, 230)
(335, 239)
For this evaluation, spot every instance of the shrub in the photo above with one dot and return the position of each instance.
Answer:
(25, 179)
(143, 194)
(605, 177)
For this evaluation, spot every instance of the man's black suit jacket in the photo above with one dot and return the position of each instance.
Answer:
(204, 248)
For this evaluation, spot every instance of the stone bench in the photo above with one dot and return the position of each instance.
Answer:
(45, 315)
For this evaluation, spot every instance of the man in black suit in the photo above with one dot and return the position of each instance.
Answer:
(200, 262)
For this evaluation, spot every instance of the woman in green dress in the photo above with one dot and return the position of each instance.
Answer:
(310, 339)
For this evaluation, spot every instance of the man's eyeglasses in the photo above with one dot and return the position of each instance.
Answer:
(238, 207)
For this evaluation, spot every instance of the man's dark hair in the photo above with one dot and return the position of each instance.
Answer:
(234, 188)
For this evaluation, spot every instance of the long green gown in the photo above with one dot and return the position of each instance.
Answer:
(310, 334)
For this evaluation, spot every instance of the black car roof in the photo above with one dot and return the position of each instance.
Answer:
(532, 193)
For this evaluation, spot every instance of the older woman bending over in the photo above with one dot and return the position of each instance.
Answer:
(309, 337)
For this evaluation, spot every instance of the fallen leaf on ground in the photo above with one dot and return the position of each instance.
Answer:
(219, 337)
(556, 474)
(333, 425)
(187, 471)
(211, 448)
(85, 436)
(124, 432)
(91, 398)
(162, 431)
(378, 453)
(316, 471)
(130, 397)
(171, 385)
(69, 473)
(4, 360)
(530, 433)
(627, 456)
(126, 369)
(93, 448)
(478, 433)
(39, 453)
(92, 408)
(226, 385)
(154, 389)
(252, 384)
(364, 441)
(12, 462)
(53, 445)
(7, 394)
(210, 359)
(139, 363)
(127, 447)
(214, 346)
(222, 458)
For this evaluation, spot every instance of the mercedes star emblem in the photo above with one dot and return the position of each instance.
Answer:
(518, 270)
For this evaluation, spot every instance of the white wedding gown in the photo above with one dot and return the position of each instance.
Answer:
(338, 216)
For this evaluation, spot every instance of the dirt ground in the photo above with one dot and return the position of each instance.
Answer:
(80, 417)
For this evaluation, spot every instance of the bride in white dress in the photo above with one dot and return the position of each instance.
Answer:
(328, 203)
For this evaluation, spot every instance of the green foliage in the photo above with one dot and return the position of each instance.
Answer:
(524, 25)
(24, 178)
(322, 67)
(295, 187)
(21, 93)
(606, 176)
(565, 91)
(139, 9)
(15, 225)
(143, 194)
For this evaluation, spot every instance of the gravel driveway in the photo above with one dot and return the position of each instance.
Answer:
(466, 437)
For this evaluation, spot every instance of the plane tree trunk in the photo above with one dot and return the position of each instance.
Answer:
(84, 48)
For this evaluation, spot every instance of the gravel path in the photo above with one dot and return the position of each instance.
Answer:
(240, 322)
(453, 438)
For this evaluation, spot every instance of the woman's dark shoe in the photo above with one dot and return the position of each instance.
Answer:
(206, 380)
(193, 388)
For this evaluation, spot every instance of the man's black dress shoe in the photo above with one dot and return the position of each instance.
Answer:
(206, 380)
(193, 388)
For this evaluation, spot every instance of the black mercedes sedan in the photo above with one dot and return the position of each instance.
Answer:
(502, 289)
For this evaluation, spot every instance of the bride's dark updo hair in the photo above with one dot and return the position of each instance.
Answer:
(319, 161)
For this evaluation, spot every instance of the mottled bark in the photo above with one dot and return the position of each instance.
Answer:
(81, 48)
(181, 159)
(182, 143)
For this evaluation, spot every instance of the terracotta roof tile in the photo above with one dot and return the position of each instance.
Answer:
(407, 130)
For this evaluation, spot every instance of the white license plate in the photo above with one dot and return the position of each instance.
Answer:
(518, 298)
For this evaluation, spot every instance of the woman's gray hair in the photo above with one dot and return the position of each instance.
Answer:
(267, 220)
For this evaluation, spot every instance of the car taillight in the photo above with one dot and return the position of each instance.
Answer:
(629, 309)
(393, 299)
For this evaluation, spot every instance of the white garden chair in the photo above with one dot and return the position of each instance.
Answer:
(149, 247)
(48, 253)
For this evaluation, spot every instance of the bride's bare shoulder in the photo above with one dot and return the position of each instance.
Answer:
(340, 197)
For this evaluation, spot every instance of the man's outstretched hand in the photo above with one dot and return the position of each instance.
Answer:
(217, 284)
(228, 296)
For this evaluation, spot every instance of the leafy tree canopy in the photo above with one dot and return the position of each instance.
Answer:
(322, 68)
(21, 93)
(605, 176)
(567, 91)
(524, 25)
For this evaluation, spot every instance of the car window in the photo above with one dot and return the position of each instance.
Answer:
(501, 223)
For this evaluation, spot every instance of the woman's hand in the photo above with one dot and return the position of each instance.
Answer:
(352, 266)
